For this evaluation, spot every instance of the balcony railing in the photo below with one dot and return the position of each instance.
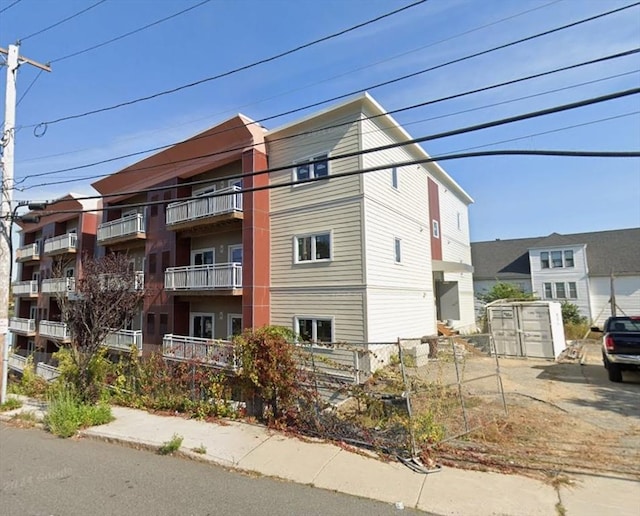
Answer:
(46, 371)
(223, 276)
(124, 340)
(119, 229)
(25, 288)
(184, 211)
(54, 330)
(22, 326)
(28, 253)
(116, 282)
(58, 285)
(216, 353)
(61, 244)
(17, 362)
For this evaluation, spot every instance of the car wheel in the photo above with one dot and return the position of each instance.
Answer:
(615, 373)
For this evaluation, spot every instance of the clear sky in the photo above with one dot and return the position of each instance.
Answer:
(514, 196)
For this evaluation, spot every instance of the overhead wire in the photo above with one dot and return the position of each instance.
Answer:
(413, 141)
(235, 70)
(324, 80)
(68, 18)
(9, 6)
(130, 33)
(339, 97)
(306, 133)
(29, 87)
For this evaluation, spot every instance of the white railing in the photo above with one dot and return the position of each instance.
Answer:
(20, 325)
(139, 280)
(54, 330)
(125, 226)
(193, 209)
(124, 340)
(217, 353)
(116, 281)
(28, 252)
(17, 362)
(25, 288)
(204, 277)
(46, 371)
(58, 285)
(61, 243)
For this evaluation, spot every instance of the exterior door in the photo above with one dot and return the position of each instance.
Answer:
(235, 325)
(235, 254)
(202, 325)
(203, 257)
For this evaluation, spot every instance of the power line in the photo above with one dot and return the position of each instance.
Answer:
(327, 79)
(63, 21)
(447, 157)
(236, 70)
(29, 87)
(130, 33)
(306, 133)
(414, 141)
(10, 6)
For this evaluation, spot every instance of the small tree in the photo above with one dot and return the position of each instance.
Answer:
(571, 314)
(503, 290)
(106, 297)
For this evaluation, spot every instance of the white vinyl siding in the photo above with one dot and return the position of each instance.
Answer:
(342, 306)
(627, 296)
(393, 313)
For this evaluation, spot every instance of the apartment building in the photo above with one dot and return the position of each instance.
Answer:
(361, 258)
(48, 263)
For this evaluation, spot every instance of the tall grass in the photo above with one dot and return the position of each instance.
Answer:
(67, 414)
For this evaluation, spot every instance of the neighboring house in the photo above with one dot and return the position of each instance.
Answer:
(51, 248)
(364, 258)
(575, 268)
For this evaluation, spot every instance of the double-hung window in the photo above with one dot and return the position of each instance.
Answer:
(556, 259)
(318, 166)
(313, 248)
(398, 250)
(314, 329)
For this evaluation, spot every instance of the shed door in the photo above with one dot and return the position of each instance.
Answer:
(536, 331)
(504, 330)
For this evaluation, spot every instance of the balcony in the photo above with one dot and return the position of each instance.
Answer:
(124, 340)
(208, 211)
(23, 326)
(28, 253)
(129, 227)
(221, 354)
(204, 278)
(59, 286)
(54, 330)
(62, 244)
(115, 282)
(17, 362)
(25, 288)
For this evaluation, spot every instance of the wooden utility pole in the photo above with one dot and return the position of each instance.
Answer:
(612, 299)
(13, 61)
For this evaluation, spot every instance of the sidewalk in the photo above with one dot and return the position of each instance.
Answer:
(254, 448)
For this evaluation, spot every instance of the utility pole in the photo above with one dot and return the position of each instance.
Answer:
(13, 62)
(612, 299)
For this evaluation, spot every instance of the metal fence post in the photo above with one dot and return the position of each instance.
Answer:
(460, 394)
(414, 448)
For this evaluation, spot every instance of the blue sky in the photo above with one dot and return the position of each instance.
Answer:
(514, 196)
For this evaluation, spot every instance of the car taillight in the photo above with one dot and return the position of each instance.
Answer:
(608, 343)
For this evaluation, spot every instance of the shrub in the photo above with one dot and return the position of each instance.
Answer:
(31, 384)
(67, 413)
(571, 314)
(170, 446)
(10, 404)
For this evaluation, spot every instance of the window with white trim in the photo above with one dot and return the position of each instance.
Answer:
(309, 170)
(436, 229)
(313, 248)
(314, 329)
(394, 177)
(548, 291)
(560, 290)
(556, 259)
(398, 250)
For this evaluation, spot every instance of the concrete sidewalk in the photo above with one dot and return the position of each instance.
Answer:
(253, 448)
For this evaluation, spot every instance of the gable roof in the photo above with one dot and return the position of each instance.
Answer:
(616, 251)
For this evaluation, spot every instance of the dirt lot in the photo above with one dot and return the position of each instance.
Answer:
(562, 417)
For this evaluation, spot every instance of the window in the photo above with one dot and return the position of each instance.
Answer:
(394, 177)
(544, 260)
(568, 258)
(398, 250)
(203, 257)
(235, 254)
(152, 263)
(548, 291)
(313, 248)
(573, 291)
(459, 221)
(560, 291)
(313, 329)
(556, 258)
(164, 324)
(436, 229)
(308, 170)
(151, 324)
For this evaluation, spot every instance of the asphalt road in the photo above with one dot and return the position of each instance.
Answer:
(44, 475)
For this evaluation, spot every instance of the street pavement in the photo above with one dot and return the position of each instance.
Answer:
(256, 449)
